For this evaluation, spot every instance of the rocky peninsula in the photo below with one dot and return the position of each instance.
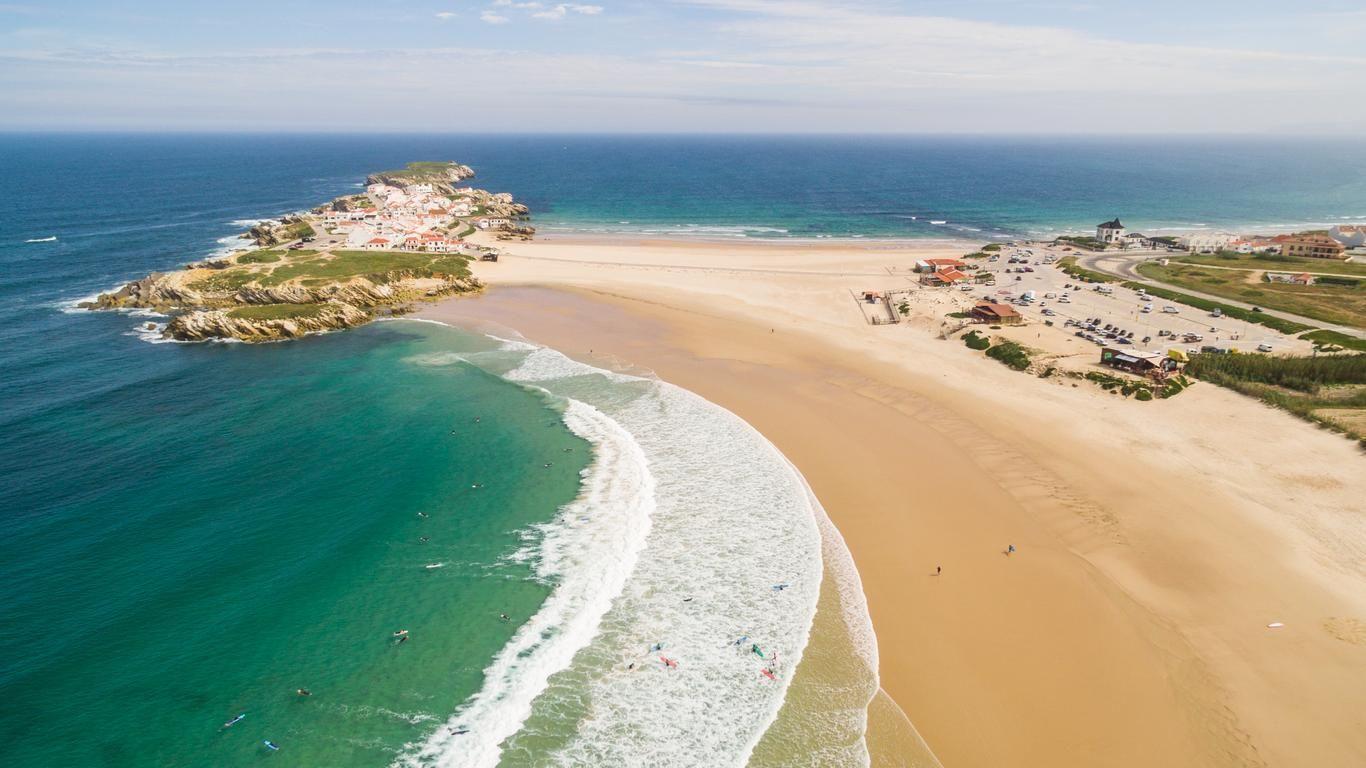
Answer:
(337, 266)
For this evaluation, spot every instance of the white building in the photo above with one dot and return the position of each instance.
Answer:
(1206, 242)
(1110, 232)
(1350, 236)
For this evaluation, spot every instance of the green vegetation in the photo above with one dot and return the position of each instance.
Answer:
(1342, 304)
(1328, 390)
(1085, 241)
(1068, 265)
(1011, 354)
(961, 316)
(976, 341)
(423, 170)
(277, 311)
(225, 281)
(992, 247)
(295, 231)
(1274, 262)
(1331, 339)
(1261, 318)
(259, 257)
(375, 265)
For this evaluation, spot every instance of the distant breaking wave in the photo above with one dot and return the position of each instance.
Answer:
(687, 521)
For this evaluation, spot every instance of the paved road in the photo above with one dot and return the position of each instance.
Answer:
(1124, 264)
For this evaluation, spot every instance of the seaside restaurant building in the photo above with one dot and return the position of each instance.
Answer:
(995, 314)
(1150, 364)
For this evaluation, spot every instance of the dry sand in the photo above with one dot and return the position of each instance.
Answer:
(1155, 540)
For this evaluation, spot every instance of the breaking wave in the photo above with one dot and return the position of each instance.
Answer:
(685, 580)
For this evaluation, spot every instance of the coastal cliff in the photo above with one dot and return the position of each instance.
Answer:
(276, 293)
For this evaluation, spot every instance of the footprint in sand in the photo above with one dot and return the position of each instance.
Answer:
(1347, 630)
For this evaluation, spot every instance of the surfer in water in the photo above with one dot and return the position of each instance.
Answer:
(304, 692)
(504, 617)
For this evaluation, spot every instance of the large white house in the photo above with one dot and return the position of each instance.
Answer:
(1110, 232)
(1350, 236)
(1206, 242)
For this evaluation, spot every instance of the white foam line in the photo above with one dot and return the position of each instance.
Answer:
(590, 562)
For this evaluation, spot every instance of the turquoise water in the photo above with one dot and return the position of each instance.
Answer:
(246, 524)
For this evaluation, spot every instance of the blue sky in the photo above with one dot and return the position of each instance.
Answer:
(981, 66)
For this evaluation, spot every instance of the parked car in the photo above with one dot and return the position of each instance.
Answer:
(1049, 312)
(1170, 310)
(1264, 347)
(1147, 308)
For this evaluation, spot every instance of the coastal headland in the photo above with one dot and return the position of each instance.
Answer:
(337, 266)
(1057, 575)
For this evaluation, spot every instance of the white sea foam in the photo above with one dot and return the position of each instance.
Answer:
(729, 518)
(589, 553)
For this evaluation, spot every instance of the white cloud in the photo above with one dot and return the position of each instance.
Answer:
(490, 17)
(445, 15)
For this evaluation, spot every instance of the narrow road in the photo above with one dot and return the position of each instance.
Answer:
(1124, 265)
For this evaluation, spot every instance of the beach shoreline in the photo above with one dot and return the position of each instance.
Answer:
(1129, 629)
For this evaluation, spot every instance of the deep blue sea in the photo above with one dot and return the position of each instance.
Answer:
(192, 532)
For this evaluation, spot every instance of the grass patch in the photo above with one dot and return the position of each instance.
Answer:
(1274, 262)
(992, 247)
(1069, 267)
(260, 257)
(1085, 241)
(277, 311)
(226, 281)
(1011, 354)
(1341, 304)
(375, 265)
(1238, 313)
(1325, 339)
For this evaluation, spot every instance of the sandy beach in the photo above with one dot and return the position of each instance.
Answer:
(1155, 541)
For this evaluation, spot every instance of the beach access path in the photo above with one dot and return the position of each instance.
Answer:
(1156, 541)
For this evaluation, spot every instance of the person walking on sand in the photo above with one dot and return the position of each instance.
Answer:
(1010, 550)
(938, 569)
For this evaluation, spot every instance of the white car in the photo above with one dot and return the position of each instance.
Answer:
(1170, 310)
(1147, 308)
(1264, 347)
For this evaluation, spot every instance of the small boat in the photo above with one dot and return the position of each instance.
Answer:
(401, 633)
(435, 565)
(272, 746)
(235, 720)
(52, 239)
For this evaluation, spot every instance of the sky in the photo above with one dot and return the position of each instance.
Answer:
(704, 66)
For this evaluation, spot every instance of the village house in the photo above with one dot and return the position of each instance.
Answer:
(376, 244)
(1349, 236)
(1314, 246)
(1303, 278)
(1206, 242)
(1137, 240)
(493, 223)
(1111, 232)
(1151, 364)
(934, 265)
(944, 276)
(995, 314)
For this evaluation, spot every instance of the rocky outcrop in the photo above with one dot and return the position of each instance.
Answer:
(361, 293)
(221, 324)
(272, 233)
(502, 205)
(157, 290)
(442, 176)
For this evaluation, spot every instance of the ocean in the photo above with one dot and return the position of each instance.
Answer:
(189, 533)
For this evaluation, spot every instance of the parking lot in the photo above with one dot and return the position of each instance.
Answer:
(1114, 312)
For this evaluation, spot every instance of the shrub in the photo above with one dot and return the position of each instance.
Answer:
(1011, 354)
(1143, 395)
(976, 341)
